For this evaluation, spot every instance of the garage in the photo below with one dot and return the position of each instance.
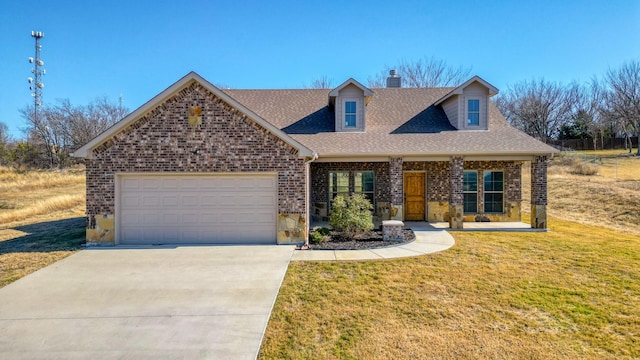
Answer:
(196, 209)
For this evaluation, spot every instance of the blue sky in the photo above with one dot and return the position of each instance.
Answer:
(138, 48)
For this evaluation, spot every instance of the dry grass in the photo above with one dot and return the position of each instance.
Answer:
(573, 292)
(40, 195)
(570, 293)
(40, 219)
(600, 199)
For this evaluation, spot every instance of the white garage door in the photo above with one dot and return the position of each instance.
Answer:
(197, 209)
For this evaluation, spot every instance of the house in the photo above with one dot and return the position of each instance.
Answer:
(198, 164)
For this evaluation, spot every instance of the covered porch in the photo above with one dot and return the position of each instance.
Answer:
(435, 192)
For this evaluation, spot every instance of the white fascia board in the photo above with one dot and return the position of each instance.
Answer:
(366, 90)
(459, 89)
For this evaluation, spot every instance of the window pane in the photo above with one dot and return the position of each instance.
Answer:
(470, 181)
(350, 107)
(364, 184)
(338, 183)
(493, 203)
(350, 120)
(349, 113)
(473, 112)
(493, 181)
(474, 105)
(470, 203)
(473, 119)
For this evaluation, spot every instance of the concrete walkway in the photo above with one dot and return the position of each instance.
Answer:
(428, 240)
(193, 302)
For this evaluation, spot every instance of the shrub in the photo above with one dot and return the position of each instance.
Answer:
(319, 236)
(351, 215)
(582, 168)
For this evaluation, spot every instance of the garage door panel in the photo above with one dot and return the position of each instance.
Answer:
(188, 201)
(208, 200)
(157, 209)
(151, 200)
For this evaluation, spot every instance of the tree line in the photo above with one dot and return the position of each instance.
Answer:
(607, 106)
(55, 131)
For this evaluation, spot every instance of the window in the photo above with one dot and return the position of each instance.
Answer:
(470, 191)
(493, 191)
(473, 112)
(338, 184)
(349, 114)
(364, 184)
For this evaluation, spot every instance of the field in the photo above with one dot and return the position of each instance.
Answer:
(573, 292)
(40, 219)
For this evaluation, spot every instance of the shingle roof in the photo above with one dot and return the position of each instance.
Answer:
(399, 122)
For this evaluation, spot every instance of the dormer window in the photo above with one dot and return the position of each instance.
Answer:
(349, 102)
(350, 114)
(473, 112)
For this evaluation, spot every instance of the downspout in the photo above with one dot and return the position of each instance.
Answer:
(307, 196)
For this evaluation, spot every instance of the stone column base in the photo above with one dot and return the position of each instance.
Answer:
(396, 212)
(456, 213)
(538, 216)
(100, 230)
(292, 228)
(438, 211)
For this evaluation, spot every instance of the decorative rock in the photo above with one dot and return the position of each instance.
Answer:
(392, 230)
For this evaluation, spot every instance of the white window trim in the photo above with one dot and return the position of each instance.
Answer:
(344, 113)
(484, 190)
(466, 112)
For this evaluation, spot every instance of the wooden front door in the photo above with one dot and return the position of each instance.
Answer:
(414, 196)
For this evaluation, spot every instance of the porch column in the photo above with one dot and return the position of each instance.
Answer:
(397, 191)
(456, 197)
(539, 192)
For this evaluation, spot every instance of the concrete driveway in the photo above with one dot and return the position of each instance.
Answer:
(144, 303)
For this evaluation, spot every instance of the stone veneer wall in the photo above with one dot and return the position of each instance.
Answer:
(162, 141)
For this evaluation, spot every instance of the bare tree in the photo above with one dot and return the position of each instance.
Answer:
(588, 110)
(538, 107)
(323, 82)
(424, 72)
(623, 96)
(4, 141)
(62, 128)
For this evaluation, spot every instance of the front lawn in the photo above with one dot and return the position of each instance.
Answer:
(573, 292)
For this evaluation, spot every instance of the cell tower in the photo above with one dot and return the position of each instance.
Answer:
(35, 83)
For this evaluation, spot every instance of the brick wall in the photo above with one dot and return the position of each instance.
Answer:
(396, 181)
(437, 177)
(320, 178)
(162, 141)
(456, 176)
(512, 178)
(539, 181)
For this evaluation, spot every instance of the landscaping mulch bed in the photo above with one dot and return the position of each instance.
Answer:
(368, 240)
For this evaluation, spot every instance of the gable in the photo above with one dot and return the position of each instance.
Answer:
(134, 119)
